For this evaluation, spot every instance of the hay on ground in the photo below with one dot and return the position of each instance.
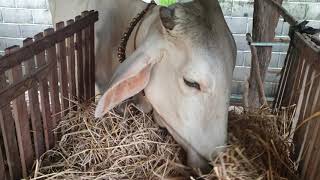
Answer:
(131, 145)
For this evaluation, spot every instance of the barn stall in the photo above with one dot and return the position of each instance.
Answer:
(33, 68)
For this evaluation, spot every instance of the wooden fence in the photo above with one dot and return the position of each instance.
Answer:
(300, 86)
(36, 83)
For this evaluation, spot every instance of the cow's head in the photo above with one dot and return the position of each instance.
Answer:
(185, 66)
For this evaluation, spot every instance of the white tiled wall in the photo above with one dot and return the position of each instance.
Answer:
(20, 19)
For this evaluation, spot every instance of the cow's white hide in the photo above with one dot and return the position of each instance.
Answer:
(198, 49)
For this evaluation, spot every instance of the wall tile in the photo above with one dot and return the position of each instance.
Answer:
(17, 16)
(7, 3)
(32, 4)
(10, 30)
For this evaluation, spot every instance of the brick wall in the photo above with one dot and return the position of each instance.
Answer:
(24, 18)
(20, 19)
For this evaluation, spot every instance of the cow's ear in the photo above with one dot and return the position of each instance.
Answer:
(131, 77)
(167, 16)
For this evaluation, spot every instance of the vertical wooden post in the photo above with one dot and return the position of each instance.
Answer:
(71, 66)
(63, 74)
(45, 102)
(85, 35)
(21, 120)
(53, 81)
(35, 112)
(79, 63)
(264, 27)
(92, 60)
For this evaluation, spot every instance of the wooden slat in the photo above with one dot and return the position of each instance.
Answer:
(86, 59)
(317, 176)
(53, 81)
(36, 121)
(80, 79)
(3, 172)
(296, 97)
(303, 74)
(44, 101)
(315, 163)
(3, 163)
(307, 87)
(71, 66)
(63, 72)
(312, 85)
(304, 95)
(314, 149)
(291, 82)
(312, 95)
(21, 120)
(10, 141)
(314, 126)
(9, 137)
(29, 81)
(92, 61)
(42, 44)
(283, 79)
(297, 80)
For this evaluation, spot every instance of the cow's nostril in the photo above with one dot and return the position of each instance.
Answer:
(164, 130)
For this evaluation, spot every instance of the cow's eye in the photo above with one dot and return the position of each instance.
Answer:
(192, 84)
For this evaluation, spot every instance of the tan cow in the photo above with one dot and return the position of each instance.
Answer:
(184, 62)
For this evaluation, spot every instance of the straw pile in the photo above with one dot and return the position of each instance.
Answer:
(131, 145)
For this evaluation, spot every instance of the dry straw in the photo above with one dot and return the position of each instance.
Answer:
(130, 145)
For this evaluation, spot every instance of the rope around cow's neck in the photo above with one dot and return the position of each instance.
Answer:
(126, 35)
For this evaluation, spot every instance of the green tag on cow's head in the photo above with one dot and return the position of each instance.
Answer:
(166, 2)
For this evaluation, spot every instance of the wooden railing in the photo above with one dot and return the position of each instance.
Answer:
(300, 86)
(37, 82)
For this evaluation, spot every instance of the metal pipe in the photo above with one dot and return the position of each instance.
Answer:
(268, 44)
(282, 41)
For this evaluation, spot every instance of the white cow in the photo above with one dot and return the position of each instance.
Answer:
(184, 62)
